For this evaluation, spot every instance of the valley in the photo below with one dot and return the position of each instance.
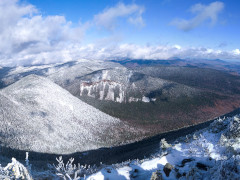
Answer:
(104, 112)
(119, 90)
(153, 97)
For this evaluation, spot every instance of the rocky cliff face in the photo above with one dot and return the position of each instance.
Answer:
(104, 90)
(124, 86)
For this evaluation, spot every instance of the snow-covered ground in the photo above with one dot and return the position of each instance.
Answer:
(212, 153)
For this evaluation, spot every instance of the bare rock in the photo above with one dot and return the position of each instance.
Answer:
(167, 169)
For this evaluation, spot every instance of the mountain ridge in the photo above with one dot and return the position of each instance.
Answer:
(53, 117)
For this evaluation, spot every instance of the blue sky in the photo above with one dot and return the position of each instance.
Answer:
(58, 30)
(157, 17)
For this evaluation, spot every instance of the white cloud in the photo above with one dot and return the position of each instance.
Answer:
(162, 52)
(25, 33)
(10, 13)
(27, 37)
(133, 51)
(202, 13)
(177, 46)
(108, 17)
(100, 52)
(236, 51)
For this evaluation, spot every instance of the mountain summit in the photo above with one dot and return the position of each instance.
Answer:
(38, 115)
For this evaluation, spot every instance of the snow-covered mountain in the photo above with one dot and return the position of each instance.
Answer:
(101, 80)
(38, 115)
(156, 97)
(61, 73)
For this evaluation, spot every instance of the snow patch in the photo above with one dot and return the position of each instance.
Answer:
(105, 75)
(145, 99)
(132, 99)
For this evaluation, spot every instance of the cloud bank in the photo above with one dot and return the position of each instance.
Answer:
(134, 51)
(203, 13)
(28, 37)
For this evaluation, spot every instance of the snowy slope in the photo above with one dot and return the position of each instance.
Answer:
(60, 73)
(208, 154)
(38, 115)
(212, 153)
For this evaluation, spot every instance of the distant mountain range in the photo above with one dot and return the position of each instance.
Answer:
(227, 66)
